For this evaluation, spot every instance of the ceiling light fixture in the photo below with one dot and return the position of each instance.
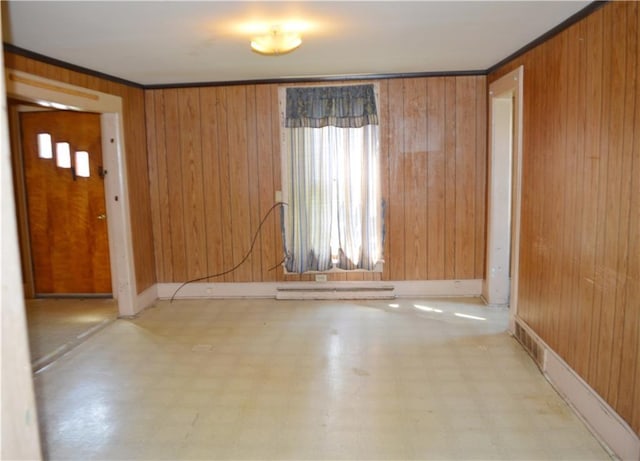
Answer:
(276, 42)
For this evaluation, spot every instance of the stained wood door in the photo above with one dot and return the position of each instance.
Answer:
(66, 202)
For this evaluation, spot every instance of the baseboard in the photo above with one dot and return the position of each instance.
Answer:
(602, 420)
(434, 288)
(146, 298)
(336, 290)
(488, 304)
(218, 290)
(404, 289)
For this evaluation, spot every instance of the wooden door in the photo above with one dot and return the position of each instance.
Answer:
(66, 202)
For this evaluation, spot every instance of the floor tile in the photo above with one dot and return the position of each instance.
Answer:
(263, 379)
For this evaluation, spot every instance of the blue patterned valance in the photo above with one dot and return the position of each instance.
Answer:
(341, 106)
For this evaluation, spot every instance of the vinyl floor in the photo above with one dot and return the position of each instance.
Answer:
(314, 380)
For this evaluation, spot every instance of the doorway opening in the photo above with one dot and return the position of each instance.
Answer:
(62, 223)
(33, 89)
(503, 218)
(59, 154)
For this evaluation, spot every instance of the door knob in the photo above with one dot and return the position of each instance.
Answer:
(102, 216)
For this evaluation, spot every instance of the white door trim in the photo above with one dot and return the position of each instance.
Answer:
(51, 93)
(498, 288)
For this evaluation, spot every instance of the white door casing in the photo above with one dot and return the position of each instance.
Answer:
(503, 217)
(51, 93)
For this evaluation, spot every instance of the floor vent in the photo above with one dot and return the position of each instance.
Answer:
(535, 350)
(317, 291)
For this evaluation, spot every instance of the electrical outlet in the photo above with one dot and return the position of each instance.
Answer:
(321, 277)
(278, 196)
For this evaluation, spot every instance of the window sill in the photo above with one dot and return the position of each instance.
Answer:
(376, 270)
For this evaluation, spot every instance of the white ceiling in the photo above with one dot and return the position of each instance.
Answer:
(158, 42)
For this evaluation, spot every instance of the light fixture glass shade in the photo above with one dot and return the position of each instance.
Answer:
(276, 42)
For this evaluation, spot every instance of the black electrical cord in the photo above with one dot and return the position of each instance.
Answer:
(279, 264)
(253, 243)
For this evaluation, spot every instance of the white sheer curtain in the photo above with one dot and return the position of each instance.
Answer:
(334, 216)
(311, 209)
(358, 211)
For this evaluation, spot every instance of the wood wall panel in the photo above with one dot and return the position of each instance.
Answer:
(276, 165)
(591, 135)
(138, 184)
(265, 173)
(221, 148)
(133, 100)
(212, 185)
(465, 178)
(555, 177)
(153, 173)
(577, 107)
(254, 180)
(630, 354)
(192, 234)
(193, 200)
(580, 253)
(158, 179)
(175, 186)
(600, 332)
(436, 179)
(450, 178)
(396, 199)
(628, 398)
(383, 107)
(480, 177)
(239, 179)
(226, 224)
(608, 356)
(415, 178)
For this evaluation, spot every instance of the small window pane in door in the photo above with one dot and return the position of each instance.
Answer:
(63, 155)
(45, 148)
(82, 164)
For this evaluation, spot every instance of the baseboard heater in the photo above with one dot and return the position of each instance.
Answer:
(336, 292)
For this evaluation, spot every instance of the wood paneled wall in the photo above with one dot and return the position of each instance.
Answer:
(135, 147)
(580, 251)
(215, 166)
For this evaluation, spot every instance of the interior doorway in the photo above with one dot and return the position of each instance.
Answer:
(66, 215)
(503, 223)
(44, 92)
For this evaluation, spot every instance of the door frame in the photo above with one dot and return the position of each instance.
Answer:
(499, 288)
(20, 188)
(50, 93)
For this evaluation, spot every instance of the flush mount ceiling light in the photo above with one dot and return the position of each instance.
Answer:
(275, 42)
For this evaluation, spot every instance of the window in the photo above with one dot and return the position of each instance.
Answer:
(45, 148)
(63, 155)
(331, 179)
(82, 164)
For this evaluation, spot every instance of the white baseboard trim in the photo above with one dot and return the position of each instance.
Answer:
(336, 290)
(146, 298)
(218, 290)
(594, 411)
(497, 305)
(404, 289)
(600, 418)
(417, 288)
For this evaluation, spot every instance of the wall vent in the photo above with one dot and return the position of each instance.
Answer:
(530, 344)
